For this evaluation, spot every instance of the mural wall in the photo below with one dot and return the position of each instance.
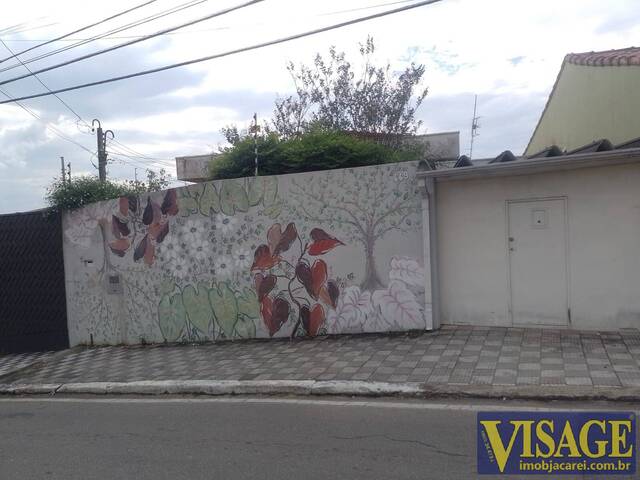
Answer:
(293, 255)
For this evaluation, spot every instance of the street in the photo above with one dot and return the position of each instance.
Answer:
(235, 438)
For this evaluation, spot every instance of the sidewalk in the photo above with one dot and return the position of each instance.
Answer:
(465, 360)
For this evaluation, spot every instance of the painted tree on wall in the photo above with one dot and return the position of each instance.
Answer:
(363, 203)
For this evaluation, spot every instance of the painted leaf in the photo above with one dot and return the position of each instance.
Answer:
(398, 307)
(167, 286)
(170, 203)
(312, 319)
(225, 307)
(245, 327)
(287, 238)
(149, 253)
(123, 206)
(274, 234)
(330, 293)
(132, 200)
(147, 215)
(407, 270)
(233, 198)
(210, 200)
(188, 205)
(322, 242)
(263, 260)
(171, 317)
(158, 231)
(273, 211)
(312, 278)
(264, 284)
(199, 311)
(275, 313)
(248, 304)
(352, 310)
(270, 186)
(119, 228)
(119, 246)
(255, 190)
(140, 250)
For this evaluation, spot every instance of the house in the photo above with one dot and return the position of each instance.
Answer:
(595, 96)
(551, 239)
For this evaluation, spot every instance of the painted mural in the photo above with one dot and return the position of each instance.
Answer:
(293, 255)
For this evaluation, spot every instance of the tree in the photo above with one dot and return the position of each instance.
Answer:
(363, 204)
(332, 95)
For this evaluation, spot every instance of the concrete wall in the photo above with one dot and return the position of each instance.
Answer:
(305, 254)
(590, 103)
(603, 212)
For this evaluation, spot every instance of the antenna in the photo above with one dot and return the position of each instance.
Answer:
(475, 125)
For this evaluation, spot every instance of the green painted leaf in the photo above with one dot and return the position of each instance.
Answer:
(171, 317)
(167, 286)
(210, 200)
(245, 328)
(225, 307)
(255, 190)
(233, 198)
(187, 206)
(196, 303)
(273, 211)
(248, 303)
(270, 191)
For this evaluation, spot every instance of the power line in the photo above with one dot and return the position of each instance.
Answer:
(230, 52)
(80, 29)
(104, 35)
(132, 42)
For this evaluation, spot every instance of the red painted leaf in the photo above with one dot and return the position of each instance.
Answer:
(158, 231)
(149, 253)
(312, 278)
(119, 246)
(330, 293)
(322, 242)
(312, 319)
(263, 260)
(140, 250)
(287, 238)
(170, 203)
(264, 284)
(123, 206)
(119, 228)
(274, 234)
(274, 313)
(152, 213)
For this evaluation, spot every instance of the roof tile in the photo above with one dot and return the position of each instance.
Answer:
(607, 58)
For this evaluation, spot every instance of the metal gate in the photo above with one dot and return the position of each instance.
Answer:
(33, 310)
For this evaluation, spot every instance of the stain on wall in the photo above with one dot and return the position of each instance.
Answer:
(292, 255)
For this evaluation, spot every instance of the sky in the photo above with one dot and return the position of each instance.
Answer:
(508, 52)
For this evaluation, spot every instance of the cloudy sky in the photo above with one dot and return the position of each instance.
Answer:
(508, 52)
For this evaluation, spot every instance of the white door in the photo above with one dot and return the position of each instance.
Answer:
(537, 246)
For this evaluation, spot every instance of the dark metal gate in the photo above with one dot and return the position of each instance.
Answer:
(33, 309)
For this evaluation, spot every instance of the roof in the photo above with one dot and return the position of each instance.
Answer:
(608, 58)
(595, 154)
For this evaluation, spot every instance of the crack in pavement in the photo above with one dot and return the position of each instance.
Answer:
(402, 440)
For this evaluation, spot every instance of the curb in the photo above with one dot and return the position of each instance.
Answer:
(325, 388)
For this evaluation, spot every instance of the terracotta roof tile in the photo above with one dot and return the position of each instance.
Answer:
(608, 58)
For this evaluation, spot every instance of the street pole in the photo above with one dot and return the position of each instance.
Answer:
(102, 149)
(64, 174)
(255, 139)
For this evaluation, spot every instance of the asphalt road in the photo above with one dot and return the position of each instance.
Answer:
(238, 438)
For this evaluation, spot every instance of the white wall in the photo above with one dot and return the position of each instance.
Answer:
(603, 211)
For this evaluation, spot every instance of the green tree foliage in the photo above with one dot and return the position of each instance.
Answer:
(315, 150)
(84, 190)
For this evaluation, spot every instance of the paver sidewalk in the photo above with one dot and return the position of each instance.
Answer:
(451, 356)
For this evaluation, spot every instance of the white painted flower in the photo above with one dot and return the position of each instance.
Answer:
(226, 223)
(180, 266)
(242, 258)
(192, 232)
(223, 266)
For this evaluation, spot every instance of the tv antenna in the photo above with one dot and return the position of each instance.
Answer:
(475, 125)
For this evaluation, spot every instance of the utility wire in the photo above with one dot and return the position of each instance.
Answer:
(138, 40)
(230, 52)
(100, 36)
(80, 29)
(44, 85)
